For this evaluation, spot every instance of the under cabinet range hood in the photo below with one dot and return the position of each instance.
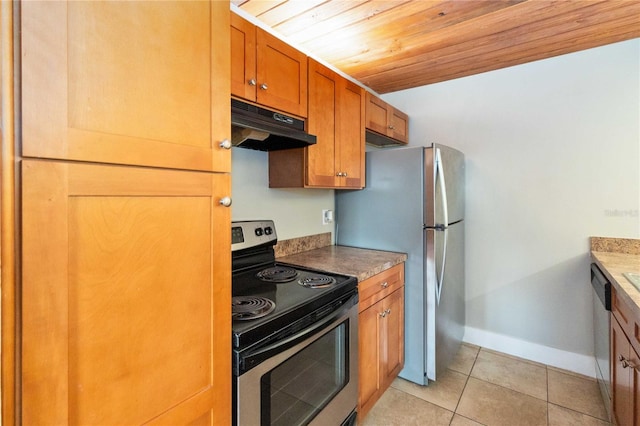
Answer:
(264, 130)
(381, 141)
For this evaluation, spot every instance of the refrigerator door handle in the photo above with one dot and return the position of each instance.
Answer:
(443, 187)
(440, 279)
(443, 227)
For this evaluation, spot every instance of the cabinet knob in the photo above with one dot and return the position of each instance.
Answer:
(225, 144)
(339, 174)
(225, 201)
(383, 314)
(391, 127)
(264, 86)
(252, 82)
(384, 284)
(344, 174)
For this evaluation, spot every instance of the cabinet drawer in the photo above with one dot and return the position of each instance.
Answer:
(622, 312)
(380, 285)
(625, 316)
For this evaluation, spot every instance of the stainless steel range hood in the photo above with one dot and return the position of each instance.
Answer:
(264, 130)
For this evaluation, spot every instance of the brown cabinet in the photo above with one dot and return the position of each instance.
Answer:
(625, 364)
(381, 335)
(386, 120)
(142, 83)
(266, 70)
(336, 117)
(125, 302)
(124, 280)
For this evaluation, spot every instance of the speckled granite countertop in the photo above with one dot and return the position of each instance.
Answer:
(360, 263)
(615, 256)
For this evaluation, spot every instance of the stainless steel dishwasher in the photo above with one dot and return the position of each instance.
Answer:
(601, 323)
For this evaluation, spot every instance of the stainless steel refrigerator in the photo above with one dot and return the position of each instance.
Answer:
(414, 203)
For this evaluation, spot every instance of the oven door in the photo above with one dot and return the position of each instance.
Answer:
(308, 378)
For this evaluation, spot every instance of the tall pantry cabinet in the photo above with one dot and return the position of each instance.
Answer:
(122, 293)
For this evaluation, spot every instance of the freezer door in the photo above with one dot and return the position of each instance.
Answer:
(445, 321)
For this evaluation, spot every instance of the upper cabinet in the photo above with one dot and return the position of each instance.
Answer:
(336, 117)
(386, 120)
(139, 83)
(266, 70)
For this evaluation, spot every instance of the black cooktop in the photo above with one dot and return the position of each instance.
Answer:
(293, 299)
(286, 297)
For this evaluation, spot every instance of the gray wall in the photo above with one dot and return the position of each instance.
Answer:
(296, 212)
(553, 157)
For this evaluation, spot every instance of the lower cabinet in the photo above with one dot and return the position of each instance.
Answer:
(625, 363)
(381, 335)
(625, 377)
(125, 314)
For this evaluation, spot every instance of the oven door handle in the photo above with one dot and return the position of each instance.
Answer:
(252, 359)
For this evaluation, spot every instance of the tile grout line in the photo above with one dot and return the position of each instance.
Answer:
(455, 410)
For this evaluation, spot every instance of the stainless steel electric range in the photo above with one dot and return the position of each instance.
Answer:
(295, 337)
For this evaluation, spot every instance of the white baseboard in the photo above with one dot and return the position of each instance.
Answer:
(578, 363)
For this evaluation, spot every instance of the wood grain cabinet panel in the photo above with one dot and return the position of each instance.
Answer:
(393, 336)
(625, 378)
(381, 335)
(243, 58)
(369, 383)
(625, 362)
(125, 295)
(336, 117)
(386, 120)
(140, 83)
(266, 70)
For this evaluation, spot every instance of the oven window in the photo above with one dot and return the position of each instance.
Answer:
(295, 391)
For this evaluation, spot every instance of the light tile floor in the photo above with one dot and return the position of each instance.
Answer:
(483, 387)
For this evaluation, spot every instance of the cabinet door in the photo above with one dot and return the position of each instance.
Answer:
(336, 117)
(323, 95)
(369, 357)
(125, 295)
(635, 385)
(282, 75)
(392, 337)
(350, 135)
(620, 376)
(377, 114)
(243, 58)
(399, 126)
(141, 83)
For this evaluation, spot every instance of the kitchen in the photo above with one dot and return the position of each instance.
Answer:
(583, 105)
(534, 137)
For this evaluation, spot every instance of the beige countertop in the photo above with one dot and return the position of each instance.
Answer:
(357, 262)
(615, 262)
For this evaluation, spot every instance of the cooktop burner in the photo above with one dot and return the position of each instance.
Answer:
(245, 308)
(317, 281)
(277, 274)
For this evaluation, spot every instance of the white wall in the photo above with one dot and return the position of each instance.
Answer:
(553, 157)
(296, 212)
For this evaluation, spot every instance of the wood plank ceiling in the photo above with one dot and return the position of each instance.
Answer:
(397, 44)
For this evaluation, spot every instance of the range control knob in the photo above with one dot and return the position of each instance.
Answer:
(259, 232)
(268, 230)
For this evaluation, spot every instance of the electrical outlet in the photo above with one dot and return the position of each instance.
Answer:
(327, 217)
